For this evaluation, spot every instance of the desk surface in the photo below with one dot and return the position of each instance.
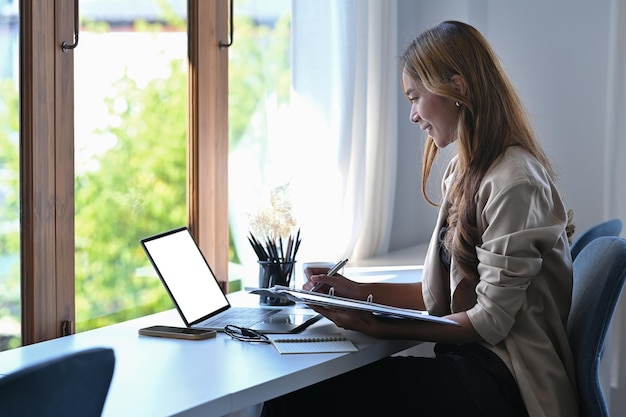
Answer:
(164, 377)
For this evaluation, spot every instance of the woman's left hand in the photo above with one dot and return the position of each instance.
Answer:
(360, 321)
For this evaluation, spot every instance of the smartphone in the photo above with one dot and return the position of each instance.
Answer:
(178, 332)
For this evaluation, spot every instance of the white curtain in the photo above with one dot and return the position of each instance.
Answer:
(345, 82)
(336, 142)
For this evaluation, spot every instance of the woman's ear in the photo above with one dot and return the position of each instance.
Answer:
(459, 83)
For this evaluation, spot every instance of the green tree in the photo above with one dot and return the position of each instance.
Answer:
(114, 209)
(9, 211)
(259, 70)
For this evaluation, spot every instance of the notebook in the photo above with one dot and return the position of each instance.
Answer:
(294, 343)
(196, 293)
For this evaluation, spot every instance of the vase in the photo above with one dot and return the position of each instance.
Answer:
(273, 273)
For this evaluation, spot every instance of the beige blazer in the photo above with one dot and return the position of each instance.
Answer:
(521, 302)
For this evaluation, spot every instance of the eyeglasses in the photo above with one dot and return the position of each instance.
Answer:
(245, 335)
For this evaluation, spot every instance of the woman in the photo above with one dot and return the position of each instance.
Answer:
(498, 262)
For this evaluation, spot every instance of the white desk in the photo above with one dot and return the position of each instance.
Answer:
(163, 377)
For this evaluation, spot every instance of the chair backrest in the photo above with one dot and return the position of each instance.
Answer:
(76, 384)
(608, 228)
(599, 275)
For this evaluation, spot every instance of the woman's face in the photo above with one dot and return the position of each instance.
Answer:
(436, 114)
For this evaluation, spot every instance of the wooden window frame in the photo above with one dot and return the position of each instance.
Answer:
(47, 156)
(207, 160)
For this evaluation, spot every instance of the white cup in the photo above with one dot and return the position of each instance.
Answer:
(327, 265)
(306, 265)
(318, 264)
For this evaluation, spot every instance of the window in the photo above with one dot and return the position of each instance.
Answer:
(319, 83)
(53, 229)
(47, 158)
(259, 75)
(130, 89)
(9, 178)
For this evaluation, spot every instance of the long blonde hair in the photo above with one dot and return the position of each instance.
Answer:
(492, 118)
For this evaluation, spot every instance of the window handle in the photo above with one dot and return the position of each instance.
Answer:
(231, 12)
(66, 46)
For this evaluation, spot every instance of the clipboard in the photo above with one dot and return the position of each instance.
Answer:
(331, 300)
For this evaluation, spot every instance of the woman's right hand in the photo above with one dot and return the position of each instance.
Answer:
(317, 278)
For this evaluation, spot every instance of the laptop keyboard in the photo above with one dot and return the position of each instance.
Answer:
(240, 316)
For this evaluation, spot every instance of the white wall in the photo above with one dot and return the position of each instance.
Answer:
(557, 53)
(414, 219)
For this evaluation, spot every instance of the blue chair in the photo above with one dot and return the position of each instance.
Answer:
(608, 228)
(599, 275)
(76, 384)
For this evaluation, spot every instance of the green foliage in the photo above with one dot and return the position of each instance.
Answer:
(138, 189)
(169, 15)
(9, 163)
(138, 186)
(258, 72)
(9, 214)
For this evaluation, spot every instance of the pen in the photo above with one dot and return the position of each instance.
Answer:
(332, 271)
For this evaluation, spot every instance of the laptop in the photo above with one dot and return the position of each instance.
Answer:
(196, 293)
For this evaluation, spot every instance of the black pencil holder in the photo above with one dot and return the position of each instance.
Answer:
(275, 273)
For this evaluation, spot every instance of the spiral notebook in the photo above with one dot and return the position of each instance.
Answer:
(297, 343)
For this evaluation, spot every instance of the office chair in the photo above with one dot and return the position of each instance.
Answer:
(72, 385)
(608, 228)
(599, 275)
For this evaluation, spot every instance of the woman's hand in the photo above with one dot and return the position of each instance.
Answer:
(357, 320)
(400, 295)
(371, 325)
(318, 280)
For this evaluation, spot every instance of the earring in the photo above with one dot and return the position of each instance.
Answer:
(456, 103)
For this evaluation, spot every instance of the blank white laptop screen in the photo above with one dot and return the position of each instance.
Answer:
(186, 274)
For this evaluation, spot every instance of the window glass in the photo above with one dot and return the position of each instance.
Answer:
(259, 72)
(9, 177)
(130, 150)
